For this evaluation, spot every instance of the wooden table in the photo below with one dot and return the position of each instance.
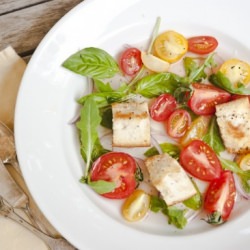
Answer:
(24, 23)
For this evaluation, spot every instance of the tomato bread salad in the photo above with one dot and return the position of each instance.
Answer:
(185, 109)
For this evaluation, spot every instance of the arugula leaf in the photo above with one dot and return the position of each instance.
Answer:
(153, 85)
(88, 124)
(92, 62)
(169, 148)
(195, 72)
(213, 138)
(243, 175)
(221, 81)
(192, 70)
(175, 215)
(194, 202)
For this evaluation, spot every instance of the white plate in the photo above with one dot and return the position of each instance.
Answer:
(47, 145)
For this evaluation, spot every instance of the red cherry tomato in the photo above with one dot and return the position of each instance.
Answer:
(220, 198)
(202, 44)
(130, 61)
(115, 167)
(162, 107)
(205, 97)
(198, 159)
(178, 122)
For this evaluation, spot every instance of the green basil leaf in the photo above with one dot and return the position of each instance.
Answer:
(213, 138)
(101, 186)
(153, 85)
(221, 81)
(92, 62)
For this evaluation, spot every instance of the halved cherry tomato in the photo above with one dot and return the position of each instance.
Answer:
(235, 96)
(178, 122)
(136, 206)
(196, 130)
(116, 167)
(236, 71)
(220, 198)
(198, 159)
(162, 107)
(205, 97)
(202, 44)
(130, 61)
(170, 46)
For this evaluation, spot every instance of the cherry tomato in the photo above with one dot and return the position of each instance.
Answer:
(205, 97)
(220, 198)
(198, 159)
(202, 44)
(236, 71)
(162, 107)
(115, 167)
(136, 206)
(235, 96)
(170, 46)
(130, 61)
(196, 130)
(178, 122)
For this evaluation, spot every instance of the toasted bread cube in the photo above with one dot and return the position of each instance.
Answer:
(131, 124)
(170, 179)
(233, 119)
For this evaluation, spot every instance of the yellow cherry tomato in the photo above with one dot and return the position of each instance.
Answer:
(244, 162)
(170, 46)
(196, 130)
(136, 206)
(236, 71)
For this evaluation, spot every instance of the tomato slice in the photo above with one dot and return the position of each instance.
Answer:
(162, 107)
(199, 159)
(196, 130)
(205, 97)
(170, 46)
(116, 167)
(130, 61)
(236, 71)
(136, 206)
(202, 44)
(220, 198)
(178, 122)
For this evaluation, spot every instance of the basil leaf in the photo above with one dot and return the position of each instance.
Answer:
(169, 148)
(92, 62)
(101, 186)
(153, 85)
(221, 81)
(175, 215)
(213, 138)
(88, 124)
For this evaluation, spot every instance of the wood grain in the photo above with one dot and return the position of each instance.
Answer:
(24, 29)
(7, 6)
